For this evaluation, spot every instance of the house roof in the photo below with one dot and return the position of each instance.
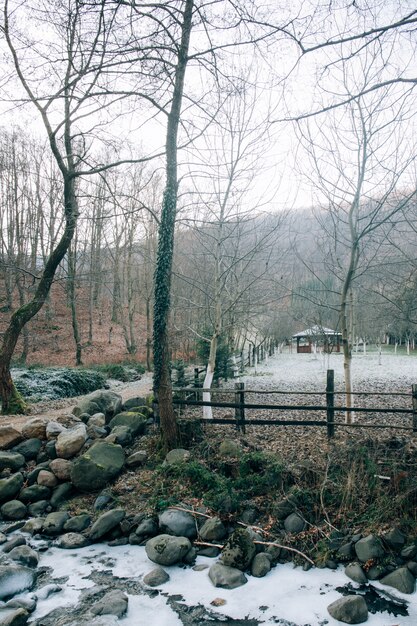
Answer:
(318, 331)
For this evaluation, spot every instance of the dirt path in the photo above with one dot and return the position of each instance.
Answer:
(59, 410)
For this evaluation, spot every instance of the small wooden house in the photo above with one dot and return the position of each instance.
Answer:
(327, 339)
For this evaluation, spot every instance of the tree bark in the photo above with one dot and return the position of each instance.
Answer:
(163, 270)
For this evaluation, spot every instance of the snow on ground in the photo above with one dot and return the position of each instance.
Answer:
(286, 593)
(285, 370)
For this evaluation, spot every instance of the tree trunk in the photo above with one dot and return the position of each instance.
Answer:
(73, 306)
(208, 379)
(163, 270)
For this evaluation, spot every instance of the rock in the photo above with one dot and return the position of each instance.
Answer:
(61, 494)
(61, 468)
(350, 610)
(136, 422)
(294, 523)
(16, 540)
(100, 401)
(53, 429)
(96, 467)
(395, 539)
(35, 428)
(14, 509)
(375, 572)
(261, 565)
(47, 590)
(178, 455)
(32, 476)
(11, 486)
(409, 552)
(33, 526)
(401, 579)
(11, 460)
(346, 552)
(148, 527)
(14, 617)
(70, 442)
(156, 577)
(284, 508)
(54, 523)
(50, 449)
(9, 437)
(98, 419)
(166, 549)
(112, 603)
(25, 556)
(369, 547)
(178, 523)
(355, 572)
(103, 500)
(47, 479)
(26, 602)
(412, 567)
(78, 523)
(71, 541)
(96, 432)
(137, 459)
(121, 435)
(39, 508)
(230, 448)
(105, 523)
(238, 550)
(213, 529)
(134, 403)
(29, 448)
(226, 577)
(15, 579)
(34, 493)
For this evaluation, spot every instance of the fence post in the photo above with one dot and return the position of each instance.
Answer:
(414, 395)
(330, 403)
(196, 377)
(240, 410)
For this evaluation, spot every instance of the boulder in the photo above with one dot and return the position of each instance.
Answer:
(120, 434)
(369, 547)
(77, 523)
(148, 527)
(98, 419)
(213, 529)
(137, 459)
(178, 523)
(166, 549)
(70, 442)
(294, 523)
(16, 540)
(33, 526)
(53, 430)
(238, 550)
(100, 401)
(112, 603)
(35, 428)
(261, 565)
(54, 522)
(355, 572)
(105, 523)
(134, 403)
(284, 508)
(230, 448)
(13, 509)
(34, 493)
(9, 437)
(47, 479)
(39, 508)
(401, 579)
(11, 460)
(96, 467)
(61, 494)
(409, 552)
(226, 577)
(136, 422)
(176, 456)
(15, 579)
(11, 486)
(156, 577)
(349, 610)
(29, 448)
(25, 556)
(395, 539)
(71, 541)
(61, 468)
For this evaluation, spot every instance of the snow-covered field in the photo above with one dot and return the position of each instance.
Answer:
(286, 593)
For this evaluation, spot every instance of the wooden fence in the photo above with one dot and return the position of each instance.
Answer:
(189, 396)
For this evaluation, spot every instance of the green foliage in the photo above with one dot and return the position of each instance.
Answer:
(125, 372)
(178, 366)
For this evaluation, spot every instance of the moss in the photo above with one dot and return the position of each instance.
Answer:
(17, 404)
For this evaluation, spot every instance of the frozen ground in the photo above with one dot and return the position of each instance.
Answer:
(287, 596)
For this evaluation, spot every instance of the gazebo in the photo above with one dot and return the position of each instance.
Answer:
(327, 338)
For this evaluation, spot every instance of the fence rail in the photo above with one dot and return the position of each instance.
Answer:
(188, 396)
